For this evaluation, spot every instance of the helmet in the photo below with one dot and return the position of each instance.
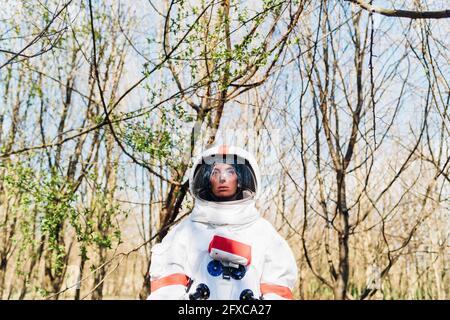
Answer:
(240, 162)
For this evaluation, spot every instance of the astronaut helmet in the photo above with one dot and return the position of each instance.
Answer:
(223, 174)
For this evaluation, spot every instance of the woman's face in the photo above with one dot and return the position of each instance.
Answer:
(224, 180)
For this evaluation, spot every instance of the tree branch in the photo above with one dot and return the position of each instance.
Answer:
(402, 13)
(36, 39)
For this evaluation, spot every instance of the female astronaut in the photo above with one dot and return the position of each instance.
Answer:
(224, 250)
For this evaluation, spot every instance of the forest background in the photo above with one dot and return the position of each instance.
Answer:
(345, 105)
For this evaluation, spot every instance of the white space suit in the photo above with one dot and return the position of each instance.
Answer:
(224, 245)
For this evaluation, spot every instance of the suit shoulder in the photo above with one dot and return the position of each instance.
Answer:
(269, 231)
(180, 229)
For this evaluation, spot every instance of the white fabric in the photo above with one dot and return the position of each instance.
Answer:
(185, 248)
(239, 212)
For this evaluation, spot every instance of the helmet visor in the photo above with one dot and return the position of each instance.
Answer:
(208, 170)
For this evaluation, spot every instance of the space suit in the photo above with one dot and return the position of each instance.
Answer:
(223, 246)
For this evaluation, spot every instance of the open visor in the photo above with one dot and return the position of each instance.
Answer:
(205, 169)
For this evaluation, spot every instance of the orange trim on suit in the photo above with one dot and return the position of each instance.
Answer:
(173, 279)
(282, 291)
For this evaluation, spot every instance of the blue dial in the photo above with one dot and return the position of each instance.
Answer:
(239, 273)
(215, 268)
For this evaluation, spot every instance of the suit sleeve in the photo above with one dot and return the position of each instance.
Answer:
(169, 276)
(280, 272)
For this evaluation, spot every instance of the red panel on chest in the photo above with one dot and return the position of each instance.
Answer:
(230, 250)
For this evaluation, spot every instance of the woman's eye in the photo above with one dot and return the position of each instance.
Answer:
(227, 173)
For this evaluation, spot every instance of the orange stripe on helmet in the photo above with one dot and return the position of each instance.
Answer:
(173, 279)
(223, 149)
(282, 291)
